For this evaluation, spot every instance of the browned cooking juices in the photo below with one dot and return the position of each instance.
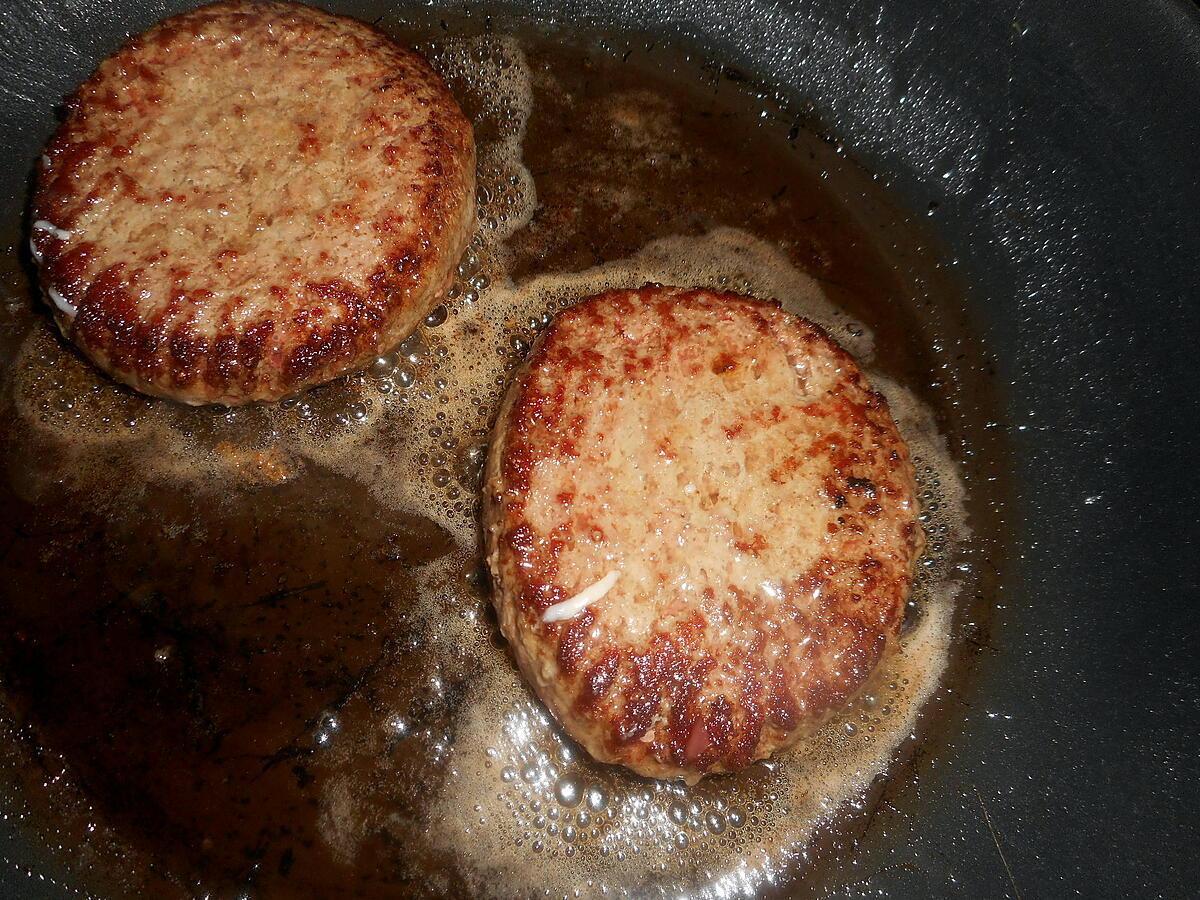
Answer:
(252, 651)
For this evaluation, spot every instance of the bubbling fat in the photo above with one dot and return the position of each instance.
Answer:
(532, 814)
(523, 808)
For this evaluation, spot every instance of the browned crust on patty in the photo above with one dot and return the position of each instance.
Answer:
(259, 197)
(730, 461)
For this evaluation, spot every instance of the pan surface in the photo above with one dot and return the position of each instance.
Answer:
(1052, 152)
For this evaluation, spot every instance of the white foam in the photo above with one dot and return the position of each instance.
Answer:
(494, 73)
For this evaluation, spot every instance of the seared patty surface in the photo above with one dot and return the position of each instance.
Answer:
(701, 525)
(251, 198)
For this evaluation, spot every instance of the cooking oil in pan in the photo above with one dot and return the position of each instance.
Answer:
(254, 647)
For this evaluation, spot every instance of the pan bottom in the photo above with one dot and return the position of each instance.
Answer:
(254, 649)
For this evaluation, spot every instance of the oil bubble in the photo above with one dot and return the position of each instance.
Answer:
(567, 791)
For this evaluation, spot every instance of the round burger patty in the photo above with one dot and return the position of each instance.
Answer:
(251, 198)
(701, 524)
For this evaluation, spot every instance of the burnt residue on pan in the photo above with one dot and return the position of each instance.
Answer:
(253, 651)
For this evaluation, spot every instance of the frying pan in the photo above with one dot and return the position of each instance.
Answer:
(1054, 148)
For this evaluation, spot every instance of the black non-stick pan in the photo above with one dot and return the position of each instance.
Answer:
(1051, 154)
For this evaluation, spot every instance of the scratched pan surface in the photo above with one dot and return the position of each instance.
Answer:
(1055, 149)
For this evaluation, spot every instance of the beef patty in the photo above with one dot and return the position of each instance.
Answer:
(701, 524)
(251, 198)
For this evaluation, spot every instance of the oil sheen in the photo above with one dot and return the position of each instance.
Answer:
(255, 646)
